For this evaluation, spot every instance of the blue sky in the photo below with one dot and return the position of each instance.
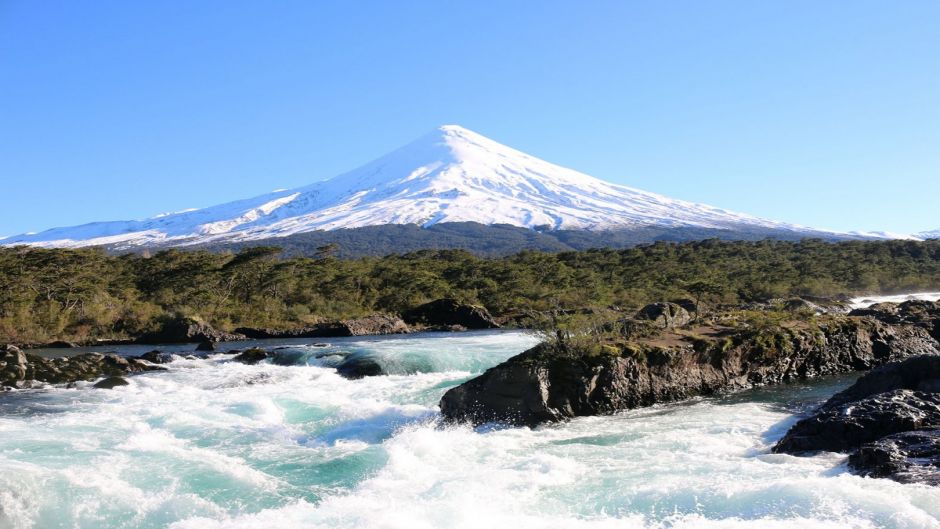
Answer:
(823, 113)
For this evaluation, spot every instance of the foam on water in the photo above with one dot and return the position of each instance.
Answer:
(867, 301)
(216, 444)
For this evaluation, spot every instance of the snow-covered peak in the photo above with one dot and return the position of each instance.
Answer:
(451, 174)
(933, 234)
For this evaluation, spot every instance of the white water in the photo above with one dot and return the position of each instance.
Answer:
(867, 301)
(215, 444)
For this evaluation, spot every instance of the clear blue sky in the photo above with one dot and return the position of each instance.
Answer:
(824, 113)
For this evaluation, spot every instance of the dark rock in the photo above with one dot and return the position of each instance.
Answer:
(664, 314)
(920, 373)
(111, 383)
(847, 426)
(206, 346)
(252, 356)
(909, 457)
(376, 324)
(187, 330)
(925, 314)
(446, 312)
(156, 357)
(60, 344)
(547, 384)
(359, 366)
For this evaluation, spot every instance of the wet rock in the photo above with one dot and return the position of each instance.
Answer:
(187, 330)
(206, 346)
(358, 366)
(802, 305)
(665, 314)
(443, 313)
(111, 383)
(252, 356)
(909, 457)
(847, 426)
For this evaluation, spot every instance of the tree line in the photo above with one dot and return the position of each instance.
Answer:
(81, 294)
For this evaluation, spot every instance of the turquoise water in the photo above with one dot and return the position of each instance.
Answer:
(288, 444)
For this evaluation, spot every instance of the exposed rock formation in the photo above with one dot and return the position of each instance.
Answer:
(187, 330)
(889, 420)
(446, 312)
(377, 324)
(549, 384)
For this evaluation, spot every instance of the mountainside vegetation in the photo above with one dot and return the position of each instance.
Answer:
(87, 294)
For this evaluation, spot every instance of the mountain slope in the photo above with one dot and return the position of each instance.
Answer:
(449, 175)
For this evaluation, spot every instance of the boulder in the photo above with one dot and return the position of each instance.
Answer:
(909, 457)
(156, 357)
(846, 427)
(445, 312)
(551, 383)
(358, 366)
(802, 305)
(665, 314)
(111, 383)
(60, 344)
(206, 346)
(187, 330)
(252, 356)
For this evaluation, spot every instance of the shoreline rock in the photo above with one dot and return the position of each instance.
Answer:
(374, 325)
(545, 384)
(444, 313)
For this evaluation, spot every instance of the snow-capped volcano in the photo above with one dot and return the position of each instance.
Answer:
(449, 175)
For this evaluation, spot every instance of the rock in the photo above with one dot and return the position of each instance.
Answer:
(376, 324)
(919, 373)
(21, 370)
(447, 312)
(909, 457)
(156, 357)
(206, 346)
(373, 325)
(665, 314)
(252, 356)
(187, 330)
(111, 383)
(358, 366)
(925, 314)
(847, 426)
(60, 344)
(549, 383)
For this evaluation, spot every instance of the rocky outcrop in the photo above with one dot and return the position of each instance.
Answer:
(549, 383)
(187, 330)
(665, 314)
(355, 367)
(111, 383)
(252, 356)
(889, 420)
(446, 312)
(18, 369)
(376, 324)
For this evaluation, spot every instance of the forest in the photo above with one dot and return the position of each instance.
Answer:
(85, 294)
